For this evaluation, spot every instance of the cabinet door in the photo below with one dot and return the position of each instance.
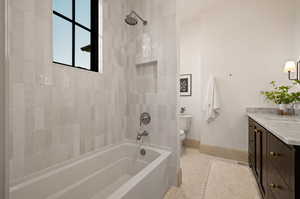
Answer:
(282, 158)
(261, 157)
(264, 161)
(251, 144)
(258, 153)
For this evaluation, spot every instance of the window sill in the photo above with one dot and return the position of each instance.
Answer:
(61, 64)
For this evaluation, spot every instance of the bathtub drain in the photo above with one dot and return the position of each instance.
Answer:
(143, 152)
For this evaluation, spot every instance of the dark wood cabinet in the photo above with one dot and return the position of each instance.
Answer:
(251, 146)
(274, 164)
(264, 183)
(258, 154)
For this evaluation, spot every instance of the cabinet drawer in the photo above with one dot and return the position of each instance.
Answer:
(282, 158)
(277, 188)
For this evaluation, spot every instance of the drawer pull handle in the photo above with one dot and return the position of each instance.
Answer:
(257, 131)
(274, 154)
(274, 186)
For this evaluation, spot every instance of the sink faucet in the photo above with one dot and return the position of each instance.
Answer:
(141, 135)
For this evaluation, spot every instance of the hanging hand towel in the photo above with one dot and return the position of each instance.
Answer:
(212, 103)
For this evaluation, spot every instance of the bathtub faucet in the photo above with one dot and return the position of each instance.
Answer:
(140, 135)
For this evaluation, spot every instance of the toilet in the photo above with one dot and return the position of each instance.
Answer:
(184, 125)
(182, 135)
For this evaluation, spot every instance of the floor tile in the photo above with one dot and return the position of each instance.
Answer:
(208, 177)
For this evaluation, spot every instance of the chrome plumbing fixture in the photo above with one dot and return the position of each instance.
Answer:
(182, 110)
(132, 19)
(143, 152)
(145, 119)
(141, 135)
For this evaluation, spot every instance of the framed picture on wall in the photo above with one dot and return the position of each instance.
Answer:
(186, 85)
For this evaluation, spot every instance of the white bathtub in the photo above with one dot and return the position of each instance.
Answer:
(119, 172)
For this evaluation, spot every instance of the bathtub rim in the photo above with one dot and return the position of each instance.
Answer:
(125, 188)
(88, 156)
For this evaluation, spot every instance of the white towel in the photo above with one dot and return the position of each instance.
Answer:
(212, 102)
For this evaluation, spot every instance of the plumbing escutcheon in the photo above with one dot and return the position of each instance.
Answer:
(145, 118)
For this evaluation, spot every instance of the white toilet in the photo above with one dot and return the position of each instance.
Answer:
(184, 125)
(182, 135)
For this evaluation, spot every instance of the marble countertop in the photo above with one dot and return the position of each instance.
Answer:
(286, 128)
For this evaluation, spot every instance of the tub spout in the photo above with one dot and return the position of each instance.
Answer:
(141, 135)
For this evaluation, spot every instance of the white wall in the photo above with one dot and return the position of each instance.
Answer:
(3, 110)
(297, 31)
(190, 63)
(2, 101)
(250, 40)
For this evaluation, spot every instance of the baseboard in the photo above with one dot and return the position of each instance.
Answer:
(191, 143)
(233, 154)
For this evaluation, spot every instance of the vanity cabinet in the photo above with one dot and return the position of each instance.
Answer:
(258, 154)
(274, 164)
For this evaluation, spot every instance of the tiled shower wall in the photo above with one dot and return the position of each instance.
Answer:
(152, 85)
(57, 113)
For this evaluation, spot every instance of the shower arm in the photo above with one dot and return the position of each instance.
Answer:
(138, 16)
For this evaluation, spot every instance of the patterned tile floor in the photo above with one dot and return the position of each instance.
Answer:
(207, 177)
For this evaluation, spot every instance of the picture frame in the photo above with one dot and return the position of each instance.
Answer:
(185, 85)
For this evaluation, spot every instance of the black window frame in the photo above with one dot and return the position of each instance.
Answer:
(94, 30)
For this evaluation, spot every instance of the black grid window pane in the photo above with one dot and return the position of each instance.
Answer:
(73, 33)
(62, 40)
(64, 7)
(82, 48)
(83, 12)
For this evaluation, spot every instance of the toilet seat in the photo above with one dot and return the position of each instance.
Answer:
(182, 135)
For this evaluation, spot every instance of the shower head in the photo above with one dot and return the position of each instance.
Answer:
(132, 19)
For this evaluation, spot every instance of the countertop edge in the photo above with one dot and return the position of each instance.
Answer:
(286, 140)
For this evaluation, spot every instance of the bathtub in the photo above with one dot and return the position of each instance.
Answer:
(118, 172)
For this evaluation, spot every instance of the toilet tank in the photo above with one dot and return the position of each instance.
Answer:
(184, 122)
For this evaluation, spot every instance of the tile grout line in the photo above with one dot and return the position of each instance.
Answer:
(207, 177)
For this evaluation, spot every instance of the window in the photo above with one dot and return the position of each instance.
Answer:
(77, 41)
